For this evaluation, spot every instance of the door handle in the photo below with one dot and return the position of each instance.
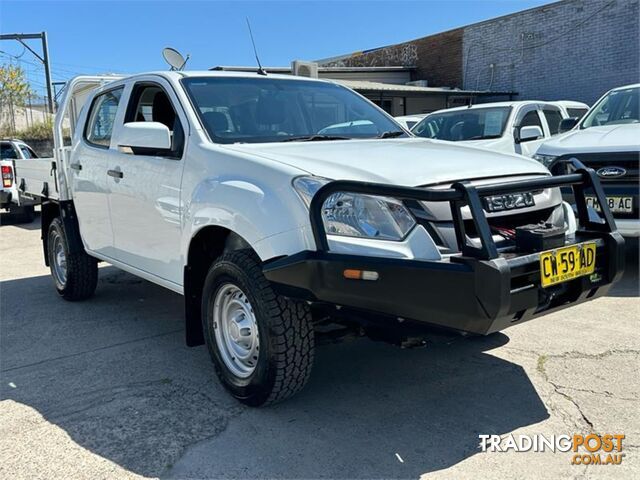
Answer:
(115, 173)
(75, 166)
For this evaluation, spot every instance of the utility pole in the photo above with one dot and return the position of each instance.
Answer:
(44, 58)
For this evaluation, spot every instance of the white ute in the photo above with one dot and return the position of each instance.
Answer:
(607, 139)
(509, 127)
(282, 206)
(20, 208)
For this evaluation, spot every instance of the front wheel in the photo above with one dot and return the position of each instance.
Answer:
(74, 274)
(261, 343)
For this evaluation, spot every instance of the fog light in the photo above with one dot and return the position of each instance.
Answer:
(353, 274)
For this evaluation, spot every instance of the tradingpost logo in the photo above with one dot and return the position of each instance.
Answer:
(590, 449)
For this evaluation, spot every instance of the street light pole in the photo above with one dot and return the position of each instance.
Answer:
(47, 70)
(21, 37)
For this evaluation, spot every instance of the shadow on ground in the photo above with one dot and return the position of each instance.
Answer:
(8, 219)
(115, 375)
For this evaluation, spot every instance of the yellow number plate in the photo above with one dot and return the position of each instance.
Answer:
(566, 263)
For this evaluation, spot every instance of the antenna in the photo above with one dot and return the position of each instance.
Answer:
(261, 71)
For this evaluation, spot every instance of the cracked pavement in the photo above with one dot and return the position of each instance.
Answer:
(107, 389)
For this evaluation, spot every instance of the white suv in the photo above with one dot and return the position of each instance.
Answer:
(509, 127)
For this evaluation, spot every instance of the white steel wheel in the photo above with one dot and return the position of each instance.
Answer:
(236, 330)
(75, 274)
(58, 257)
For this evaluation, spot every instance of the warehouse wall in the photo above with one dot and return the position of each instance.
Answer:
(576, 49)
(437, 58)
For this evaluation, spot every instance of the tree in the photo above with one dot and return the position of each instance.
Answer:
(14, 91)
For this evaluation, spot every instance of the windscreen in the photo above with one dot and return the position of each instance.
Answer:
(617, 108)
(468, 124)
(252, 110)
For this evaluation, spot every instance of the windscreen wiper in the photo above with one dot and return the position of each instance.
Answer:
(391, 134)
(314, 138)
(483, 137)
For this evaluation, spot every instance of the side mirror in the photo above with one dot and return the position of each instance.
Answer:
(147, 135)
(567, 124)
(530, 132)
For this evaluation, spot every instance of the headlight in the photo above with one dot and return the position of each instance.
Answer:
(356, 215)
(546, 160)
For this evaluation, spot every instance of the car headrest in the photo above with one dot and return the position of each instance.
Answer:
(216, 121)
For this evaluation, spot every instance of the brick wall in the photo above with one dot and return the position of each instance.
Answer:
(574, 50)
(437, 58)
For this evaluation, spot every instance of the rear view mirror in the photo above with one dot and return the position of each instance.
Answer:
(148, 135)
(530, 132)
(567, 124)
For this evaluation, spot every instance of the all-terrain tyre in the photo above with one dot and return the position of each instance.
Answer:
(261, 343)
(75, 274)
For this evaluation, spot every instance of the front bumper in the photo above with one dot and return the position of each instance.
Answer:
(479, 297)
(481, 290)
(628, 228)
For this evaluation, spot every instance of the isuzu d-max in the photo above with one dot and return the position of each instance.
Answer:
(279, 206)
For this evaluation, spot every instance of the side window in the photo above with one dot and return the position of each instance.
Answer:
(554, 117)
(531, 119)
(101, 117)
(429, 128)
(150, 103)
(27, 152)
(7, 152)
(576, 112)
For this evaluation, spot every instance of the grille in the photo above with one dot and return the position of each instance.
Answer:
(630, 161)
(510, 222)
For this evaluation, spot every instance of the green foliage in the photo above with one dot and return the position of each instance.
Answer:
(14, 87)
(37, 131)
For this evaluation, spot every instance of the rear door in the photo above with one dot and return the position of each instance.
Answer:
(88, 166)
(145, 198)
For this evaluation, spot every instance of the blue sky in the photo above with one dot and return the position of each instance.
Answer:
(94, 36)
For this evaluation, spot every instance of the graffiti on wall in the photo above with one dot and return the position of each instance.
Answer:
(404, 55)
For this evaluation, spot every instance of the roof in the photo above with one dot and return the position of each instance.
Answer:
(570, 103)
(625, 87)
(495, 105)
(252, 73)
(363, 85)
(393, 68)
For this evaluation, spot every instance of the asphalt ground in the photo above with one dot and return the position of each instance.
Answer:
(107, 389)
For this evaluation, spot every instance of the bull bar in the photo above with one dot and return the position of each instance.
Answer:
(480, 290)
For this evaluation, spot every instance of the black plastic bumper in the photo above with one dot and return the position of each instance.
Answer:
(481, 290)
(479, 297)
(5, 199)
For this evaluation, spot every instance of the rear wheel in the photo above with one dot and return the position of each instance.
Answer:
(74, 274)
(261, 343)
